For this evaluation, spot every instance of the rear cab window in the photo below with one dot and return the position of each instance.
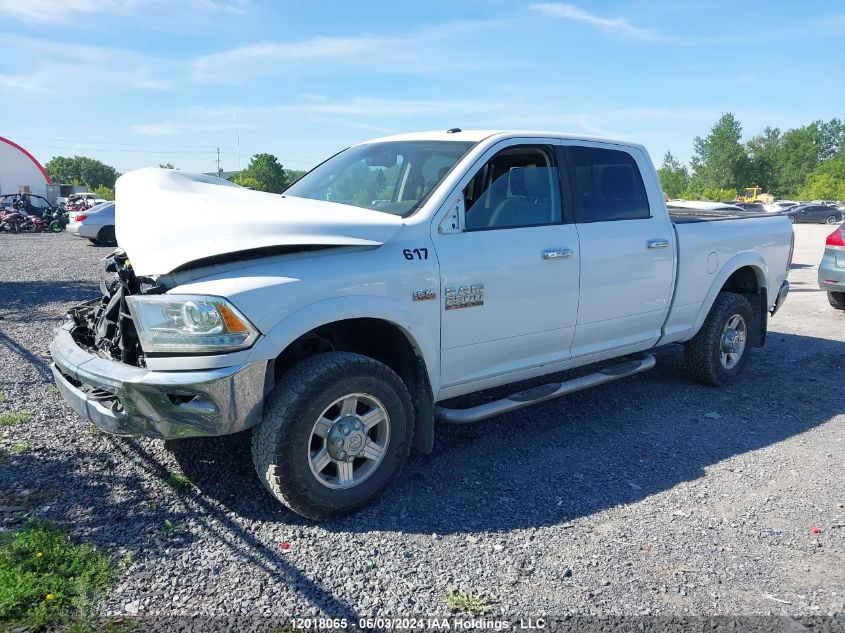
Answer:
(608, 185)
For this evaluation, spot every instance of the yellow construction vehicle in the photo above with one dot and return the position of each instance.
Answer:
(754, 194)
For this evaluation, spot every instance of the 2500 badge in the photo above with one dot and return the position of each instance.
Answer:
(465, 297)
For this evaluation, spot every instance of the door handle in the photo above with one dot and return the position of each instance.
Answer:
(558, 253)
(657, 243)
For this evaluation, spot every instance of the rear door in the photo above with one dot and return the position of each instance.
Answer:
(627, 248)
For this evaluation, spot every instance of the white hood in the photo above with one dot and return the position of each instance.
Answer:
(165, 219)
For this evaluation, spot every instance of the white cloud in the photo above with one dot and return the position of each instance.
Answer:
(429, 50)
(619, 26)
(62, 11)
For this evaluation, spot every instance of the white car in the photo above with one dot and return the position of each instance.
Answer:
(779, 206)
(95, 224)
(337, 320)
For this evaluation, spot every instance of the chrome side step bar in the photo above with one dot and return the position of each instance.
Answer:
(542, 393)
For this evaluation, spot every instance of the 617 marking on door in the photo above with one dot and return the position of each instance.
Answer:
(415, 253)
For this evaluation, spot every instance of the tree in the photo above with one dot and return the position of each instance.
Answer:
(832, 135)
(764, 155)
(719, 160)
(674, 176)
(106, 193)
(87, 171)
(827, 181)
(266, 170)
(248, 182)
(800, 154)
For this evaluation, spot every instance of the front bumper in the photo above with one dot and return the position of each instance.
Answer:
(126, 400)
(784, 290)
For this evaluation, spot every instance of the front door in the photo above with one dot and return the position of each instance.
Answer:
(509, 280)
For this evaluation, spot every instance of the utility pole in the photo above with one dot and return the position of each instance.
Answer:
(219, 171)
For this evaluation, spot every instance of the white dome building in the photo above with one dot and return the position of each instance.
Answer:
(19, 169)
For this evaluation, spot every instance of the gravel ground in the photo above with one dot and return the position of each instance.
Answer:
(648, 496)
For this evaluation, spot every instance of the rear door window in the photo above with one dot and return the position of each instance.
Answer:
(608, 185)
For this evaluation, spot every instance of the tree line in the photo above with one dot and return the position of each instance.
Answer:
(264, 173)
(805, 163)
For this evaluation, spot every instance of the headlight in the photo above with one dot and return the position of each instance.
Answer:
(190, 324)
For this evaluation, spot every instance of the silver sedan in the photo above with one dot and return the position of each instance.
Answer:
(832, 269)
(95, 224)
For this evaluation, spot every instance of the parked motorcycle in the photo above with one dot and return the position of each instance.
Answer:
(55, 219)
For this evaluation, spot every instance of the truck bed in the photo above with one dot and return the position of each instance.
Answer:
(687, 216)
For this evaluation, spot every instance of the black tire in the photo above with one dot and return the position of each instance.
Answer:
(792, 219)
(282, 443)
(106, 236)
(702, 353)
(94, 241)
(831, 219)
(837, 300)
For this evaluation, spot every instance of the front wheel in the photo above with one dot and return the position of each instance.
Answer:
(716, 355)
(792, 219)
(337, 429)
(831, 219)
(56, 226)
(837, 300)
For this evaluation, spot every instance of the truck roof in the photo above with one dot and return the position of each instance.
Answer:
(479, 135)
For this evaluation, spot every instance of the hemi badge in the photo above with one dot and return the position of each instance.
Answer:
(423, 295)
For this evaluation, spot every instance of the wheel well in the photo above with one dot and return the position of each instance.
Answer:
(382, 341)
(745, 281)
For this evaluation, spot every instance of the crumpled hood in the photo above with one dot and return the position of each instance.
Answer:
(165, 219)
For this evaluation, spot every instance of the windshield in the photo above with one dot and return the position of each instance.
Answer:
(393, 177)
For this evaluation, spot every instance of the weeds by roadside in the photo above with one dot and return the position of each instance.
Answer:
(178, 481)
(47, 579)
(13, 418)
(21, 448)
(458, 601)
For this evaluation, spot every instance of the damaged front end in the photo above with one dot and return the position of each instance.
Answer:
(105, 326)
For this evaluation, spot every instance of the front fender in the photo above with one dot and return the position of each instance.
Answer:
(740, 260)
(411, 323)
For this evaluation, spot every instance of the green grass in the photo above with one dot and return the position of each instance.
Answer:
(178, 482)
(46, 579)
(469, 602)
(3, 397)
(21, 448)
(11, 418)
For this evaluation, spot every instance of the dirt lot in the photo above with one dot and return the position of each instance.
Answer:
(652, 495)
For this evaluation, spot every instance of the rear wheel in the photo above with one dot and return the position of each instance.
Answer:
(792, 219)
(336, 431)
(837, 300)
(716, 355)
(106, 236)
(831, 219)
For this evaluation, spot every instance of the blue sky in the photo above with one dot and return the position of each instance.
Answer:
(139, 82)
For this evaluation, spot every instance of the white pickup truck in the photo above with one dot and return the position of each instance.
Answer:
(336, 319)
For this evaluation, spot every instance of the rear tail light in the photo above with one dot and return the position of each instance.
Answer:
(835, 239)
(80, 217)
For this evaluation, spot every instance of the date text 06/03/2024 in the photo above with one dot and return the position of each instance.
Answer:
(419, 623)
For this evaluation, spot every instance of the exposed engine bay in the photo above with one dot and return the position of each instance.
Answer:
(104, 326)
